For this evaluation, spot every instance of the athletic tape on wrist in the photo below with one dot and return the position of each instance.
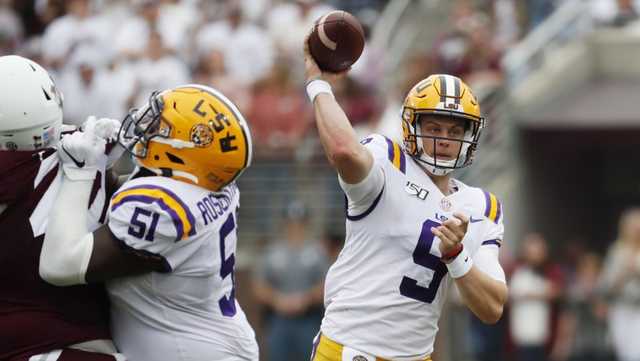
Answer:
(460, 265)
(316, 87)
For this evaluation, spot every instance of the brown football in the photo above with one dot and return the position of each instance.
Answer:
(336, 41)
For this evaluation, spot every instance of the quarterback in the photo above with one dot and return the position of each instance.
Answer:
(37, 320)
(411, 229)
(167, 253)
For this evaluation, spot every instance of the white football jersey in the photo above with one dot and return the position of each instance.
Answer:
(188, 310)
(385, 292)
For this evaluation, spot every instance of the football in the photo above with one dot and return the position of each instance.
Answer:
(336, 41)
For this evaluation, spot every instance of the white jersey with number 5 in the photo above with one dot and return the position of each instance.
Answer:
(385, 292)
(187, 309)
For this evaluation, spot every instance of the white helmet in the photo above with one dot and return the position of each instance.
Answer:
(30, 105)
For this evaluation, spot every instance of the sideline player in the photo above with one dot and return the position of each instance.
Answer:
(35, 317)
(168, 253)
(410, 227)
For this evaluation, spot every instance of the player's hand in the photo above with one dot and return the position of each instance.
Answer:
(81, 154)
(451, 232)
(107, 129)
(312, 70)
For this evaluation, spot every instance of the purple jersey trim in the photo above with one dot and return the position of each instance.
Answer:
(148, 200)
(487, 212)
(487, 199)
(389, 148)
(365, 213)
(492, 241)
(190, 216)
(391, 154)
(314, 348)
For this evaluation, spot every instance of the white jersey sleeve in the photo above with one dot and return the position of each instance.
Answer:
(152, 221)
(365, 194)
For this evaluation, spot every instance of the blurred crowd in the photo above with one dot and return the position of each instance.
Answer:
(572, 303)
(107, 55)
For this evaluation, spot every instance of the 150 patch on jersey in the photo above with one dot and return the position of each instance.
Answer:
(416, 190)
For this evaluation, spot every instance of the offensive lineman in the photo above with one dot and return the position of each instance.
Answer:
(168, 251)
(37, 320)
(410, 227)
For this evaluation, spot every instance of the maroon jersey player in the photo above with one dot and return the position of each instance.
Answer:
(36, 318)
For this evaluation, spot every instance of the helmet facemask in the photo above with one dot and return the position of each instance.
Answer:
(140, 126)
(467, 145)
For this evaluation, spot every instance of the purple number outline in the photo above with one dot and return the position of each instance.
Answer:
(422, 256)
(227, 304)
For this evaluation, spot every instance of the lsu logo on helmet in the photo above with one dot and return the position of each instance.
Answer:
(444, 95)
(191, 133)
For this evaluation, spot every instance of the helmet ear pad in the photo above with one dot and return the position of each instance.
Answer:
(409, 132)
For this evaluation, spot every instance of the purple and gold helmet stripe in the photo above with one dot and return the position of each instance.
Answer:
(457, 87)
(493, 210)
(396, 155)
(443, 89)
(168, 201)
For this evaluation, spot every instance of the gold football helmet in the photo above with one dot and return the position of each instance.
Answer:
(192, 133)
(444, 95)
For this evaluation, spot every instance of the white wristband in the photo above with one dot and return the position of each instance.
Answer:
(316, 87)
(460, 265)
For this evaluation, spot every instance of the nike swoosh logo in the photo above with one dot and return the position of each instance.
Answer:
(78, 164)
(475, 220)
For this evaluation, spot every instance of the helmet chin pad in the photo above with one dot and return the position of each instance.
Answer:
(435, 167)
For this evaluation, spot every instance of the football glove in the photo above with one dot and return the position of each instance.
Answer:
(107, 129)
(81, 154)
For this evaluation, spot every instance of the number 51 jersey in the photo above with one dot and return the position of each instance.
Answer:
(187, 310)
(385, 292)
